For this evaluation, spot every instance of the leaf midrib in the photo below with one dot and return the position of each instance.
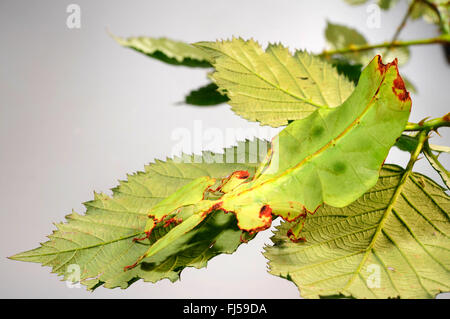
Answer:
(57, 252)
(323, 148)
(380, 227)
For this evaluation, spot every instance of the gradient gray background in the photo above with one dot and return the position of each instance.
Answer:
(78, 112)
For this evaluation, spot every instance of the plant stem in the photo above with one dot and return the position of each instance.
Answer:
(434, 162)
(445, 38)
(422, 138)
(403, 23)
(430, 125)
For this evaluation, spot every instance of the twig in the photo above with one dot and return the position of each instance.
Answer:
(445, 38)
(431, 125)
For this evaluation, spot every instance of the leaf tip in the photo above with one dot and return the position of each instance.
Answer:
(399, 89)
(13, 257)
(18, 257)
(398, 86)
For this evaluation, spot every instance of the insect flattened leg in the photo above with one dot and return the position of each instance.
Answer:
(176, 232)
(232, 181)
(190, 194)
(288, 210)
(171, 221)
(136, 263)
(263, 164)
(294, 232)
(147, 236)
(245, 237)
(151, 223)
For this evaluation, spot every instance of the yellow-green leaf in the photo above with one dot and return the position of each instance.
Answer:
(343, 37)
(274, 86)
(167, 50)
(392, 242)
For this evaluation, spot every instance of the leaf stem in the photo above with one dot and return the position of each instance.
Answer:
(403, 23)
(435, 7)
(421, 140)
(401, 26)
(434, 162)
(445, 39)
(431, 125)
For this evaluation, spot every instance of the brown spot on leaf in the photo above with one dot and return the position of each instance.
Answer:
(266, 214)
(216, 206)
(213, 208)
(147, 235)
(294, 239)
(381, 66)
(384, 67)
(242, 239)
(423, 121)
(265, 211)
(315, 210)
(399, 89)
(172, 220)
(241, 174)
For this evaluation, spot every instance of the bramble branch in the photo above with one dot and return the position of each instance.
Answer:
(431, 125)
(443, 39)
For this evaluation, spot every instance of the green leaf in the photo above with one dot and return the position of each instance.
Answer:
(384, 4)
(409, 143)
(435, 12)
(343, 37)
(402, 54)
(350, 70)
(387, 4)
(392, 242)
(206, 96)
(356, 2)
(406, 143)
(167, 50)
(423, 10)
(273, 86)
(340, 37)
(440, 148)
(438, 167)
(101, 241)
(178, 53)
